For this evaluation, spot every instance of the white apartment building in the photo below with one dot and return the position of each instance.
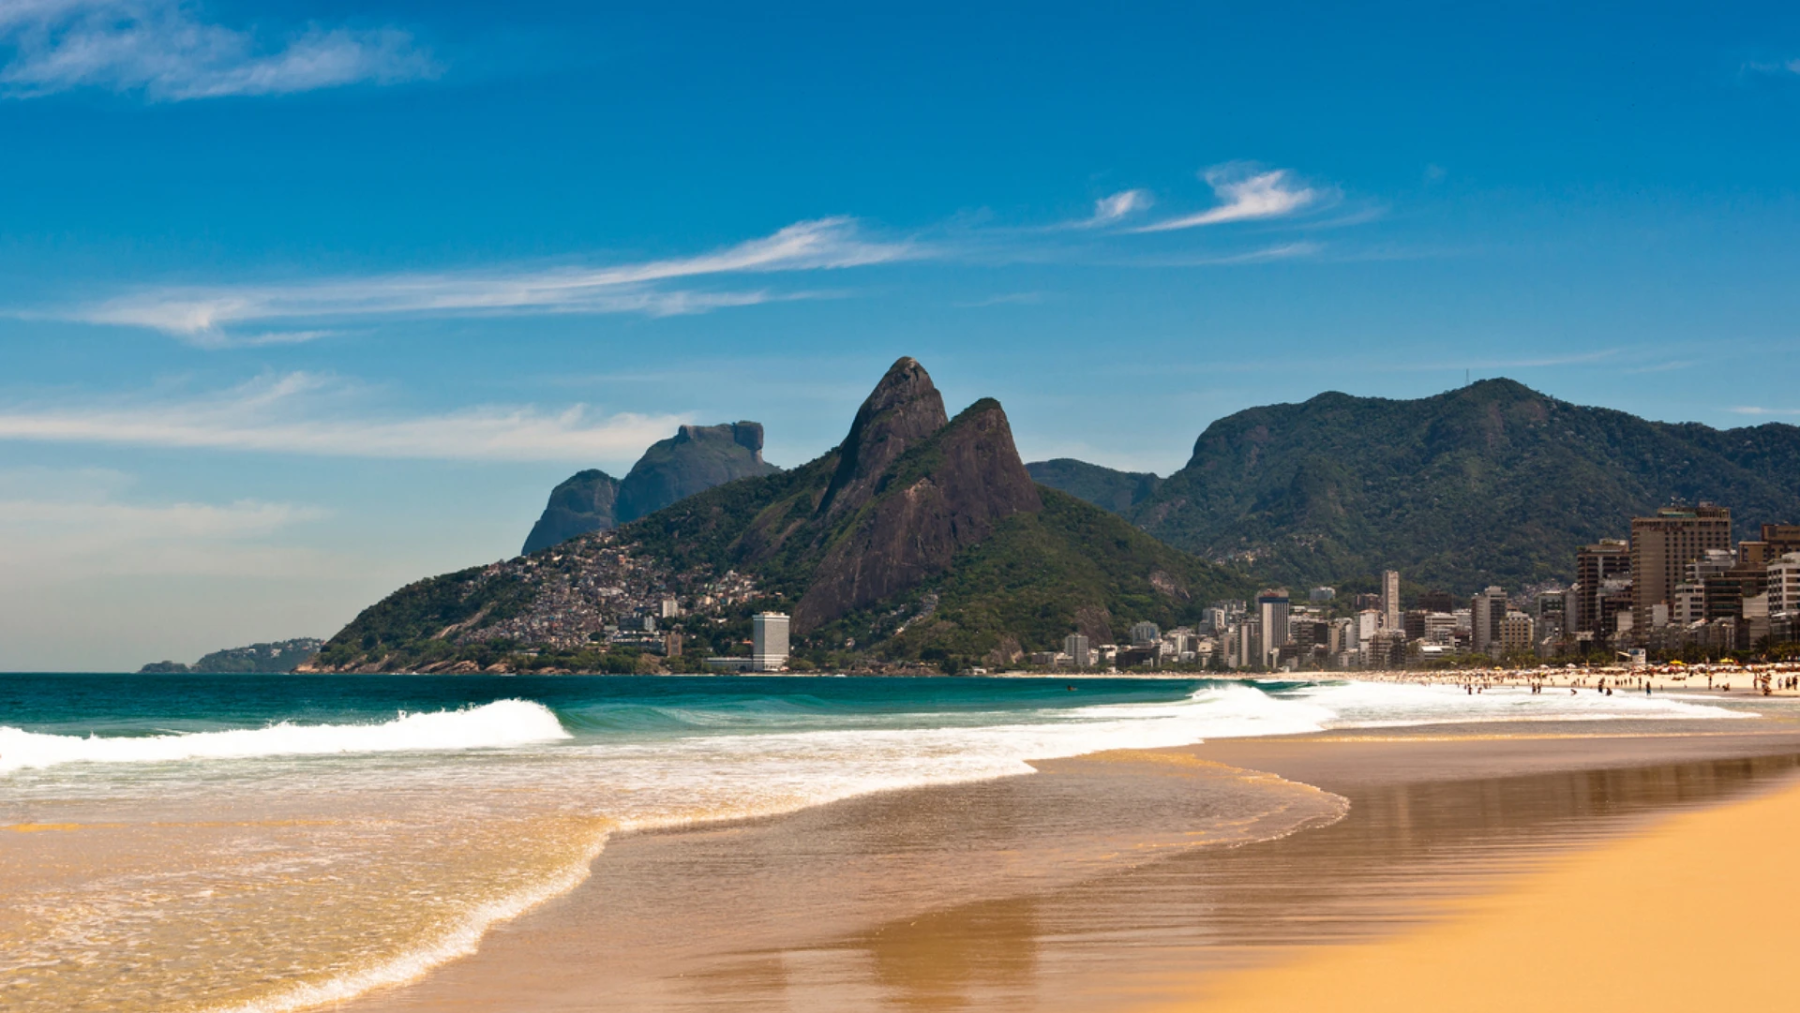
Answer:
(1784, 584)
(769, 641)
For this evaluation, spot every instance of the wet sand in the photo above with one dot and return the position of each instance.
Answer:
(1692, 913)
(1106, 882)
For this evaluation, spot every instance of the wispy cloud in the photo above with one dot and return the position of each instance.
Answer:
(301, 413)
(288, 312)
(1116, 208)
(1775, 68)
(1259, 255)
(204, 316)
(1004, 299)
(1752, 410)
(165, 51)
(1245, 193)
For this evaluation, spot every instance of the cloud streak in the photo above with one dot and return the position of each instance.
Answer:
(1116, 208)
(203, 316)
(164, 51)
(1245, 195)
(300, 413)
(257, 314)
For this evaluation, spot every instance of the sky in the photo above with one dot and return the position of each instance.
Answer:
(301, 302)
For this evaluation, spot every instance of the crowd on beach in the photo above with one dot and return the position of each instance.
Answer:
(1779, 678)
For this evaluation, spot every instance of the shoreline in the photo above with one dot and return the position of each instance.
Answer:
(821, 909)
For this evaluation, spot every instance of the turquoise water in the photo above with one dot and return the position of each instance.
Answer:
(106, 704)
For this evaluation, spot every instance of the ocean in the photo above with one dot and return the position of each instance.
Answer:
(273, 843)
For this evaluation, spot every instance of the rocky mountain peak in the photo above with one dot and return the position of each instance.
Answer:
(902, 411)
(947, 494)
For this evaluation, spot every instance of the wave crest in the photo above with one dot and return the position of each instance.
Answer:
(495, 725)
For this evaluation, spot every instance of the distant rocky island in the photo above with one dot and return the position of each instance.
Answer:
(281, 656)
(694, 460)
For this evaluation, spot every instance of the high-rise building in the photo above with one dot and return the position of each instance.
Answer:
(1688, 604)
(1249, 642)
(1553, 612)
(1516, 630)
(1440, 628)
(1784, 583)
(1782, 539)
(1075, 645)
(1390, 599)
(1272, 613)
(1145, 633)
(1487, 611)
(1437, 601)
(1609, 559)
(768, 641)
(1663, 546)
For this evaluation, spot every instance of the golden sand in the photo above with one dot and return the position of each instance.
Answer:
(1696, 913)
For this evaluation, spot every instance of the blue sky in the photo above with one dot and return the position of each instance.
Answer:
(302, 301)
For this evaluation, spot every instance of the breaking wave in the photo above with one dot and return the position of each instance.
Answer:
(495, 725)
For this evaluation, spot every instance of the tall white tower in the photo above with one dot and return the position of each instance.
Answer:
(769, 641)
(1390, 599)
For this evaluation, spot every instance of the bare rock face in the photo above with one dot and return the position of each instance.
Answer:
(903, 411)
(694, 460)
(582, 503)
(923, 508)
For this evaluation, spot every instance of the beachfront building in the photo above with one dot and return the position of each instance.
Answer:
(1390, 599)
(1595, 565)
(1516, 633)
(1272, 616)
(1662, 547)
(1440, 628)
(1145, 634)
(1075, 645)
(1487, 611)
(1784, 581)
(769, 641)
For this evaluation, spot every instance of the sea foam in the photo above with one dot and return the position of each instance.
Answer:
(495, 725)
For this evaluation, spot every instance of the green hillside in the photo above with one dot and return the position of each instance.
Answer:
(1490, 483)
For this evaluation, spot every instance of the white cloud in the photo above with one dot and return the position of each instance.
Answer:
(1245, 194)
(1752, 410)
(202, 315)
(1776, 67)
(162, 49)
(1114, 209)
(300, 413)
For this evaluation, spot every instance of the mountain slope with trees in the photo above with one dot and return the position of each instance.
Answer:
(1492, 483)
(919, 541)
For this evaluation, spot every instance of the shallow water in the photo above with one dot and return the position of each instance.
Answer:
(270, 843)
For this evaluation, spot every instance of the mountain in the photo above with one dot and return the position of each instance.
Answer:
(1493, 483)
(920, 541)
(582, 503)
(695, 459)
(1118, 491)
(282, 656)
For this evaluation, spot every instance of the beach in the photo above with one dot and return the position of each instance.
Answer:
(655, 844)
(817, 911)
